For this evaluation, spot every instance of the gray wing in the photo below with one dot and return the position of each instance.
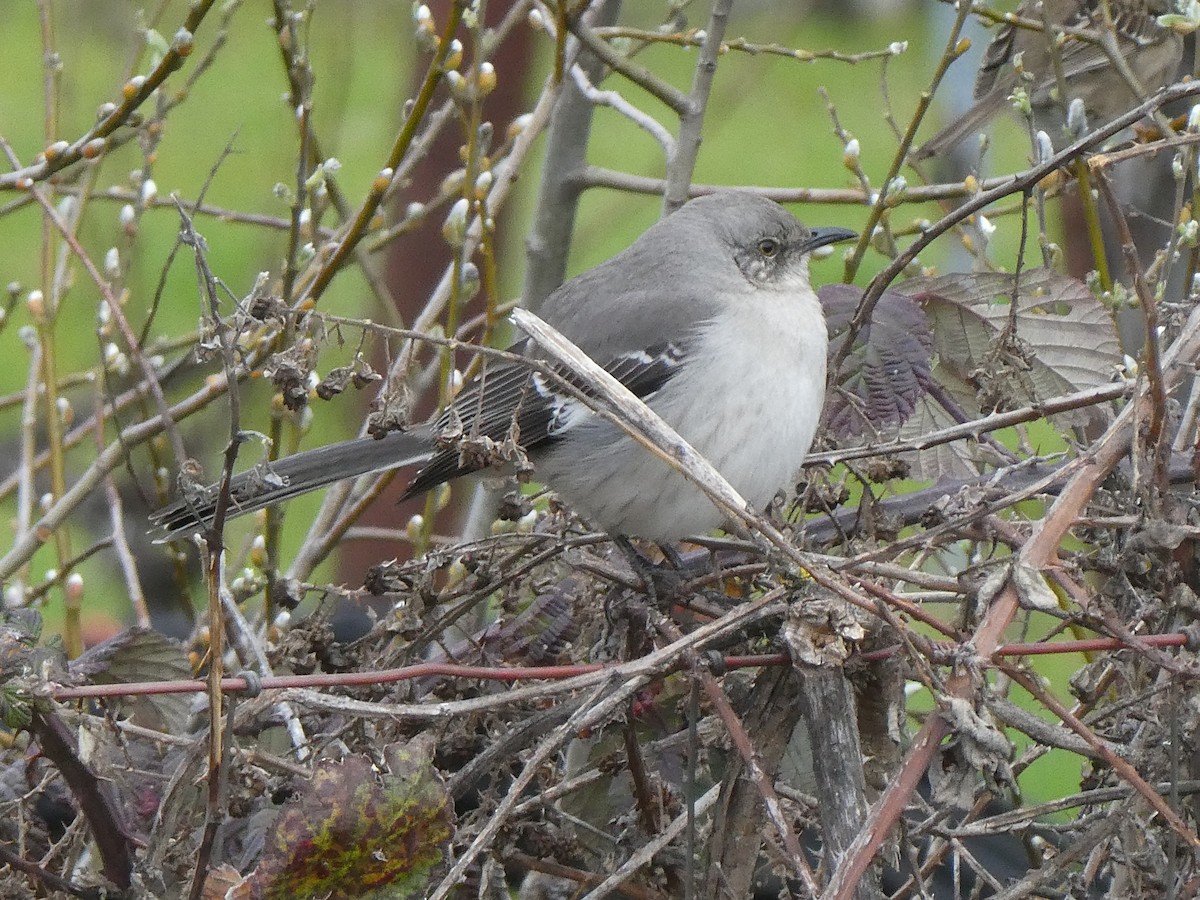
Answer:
(510, 398)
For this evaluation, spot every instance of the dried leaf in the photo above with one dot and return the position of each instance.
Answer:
(356, 831)
(822, 633)
(885, 373)
(1070, 338)
(1032, 590)
(136, 655)
(982, 744)
(957, 459)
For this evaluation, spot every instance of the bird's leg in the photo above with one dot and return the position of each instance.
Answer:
(671, 555)
(658, 581)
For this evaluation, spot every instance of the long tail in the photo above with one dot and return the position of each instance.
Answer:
(292, 476)
(967, 124)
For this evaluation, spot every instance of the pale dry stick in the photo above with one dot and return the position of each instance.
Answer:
(616, 402)
(249, 647)
(646, 853)
(693, 38)
(976, 427)
(609, 398)
(25, 497)
(1038, 551)
(613, 100)
(125, 558)
(666, 93)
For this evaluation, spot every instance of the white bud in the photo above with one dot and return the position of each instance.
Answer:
(414, 528)
(112, 263)
(454, 230)
(149, 191)
(1077, 124)
(1045, 148)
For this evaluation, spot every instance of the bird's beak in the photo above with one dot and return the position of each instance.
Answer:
(822, 237)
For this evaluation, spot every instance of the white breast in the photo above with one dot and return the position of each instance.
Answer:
(748, 399)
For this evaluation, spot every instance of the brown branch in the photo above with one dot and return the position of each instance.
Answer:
(1038, 552)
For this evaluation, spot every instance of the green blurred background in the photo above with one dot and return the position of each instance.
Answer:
(766, 125)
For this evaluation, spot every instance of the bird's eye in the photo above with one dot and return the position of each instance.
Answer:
(768, 247)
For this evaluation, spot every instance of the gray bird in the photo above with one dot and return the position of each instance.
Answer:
(1153, 54)
(709, 317)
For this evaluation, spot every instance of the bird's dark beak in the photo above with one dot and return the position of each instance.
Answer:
(821, 237)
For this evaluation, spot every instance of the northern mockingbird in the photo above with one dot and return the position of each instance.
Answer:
(1024, 57)
(709, 317)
